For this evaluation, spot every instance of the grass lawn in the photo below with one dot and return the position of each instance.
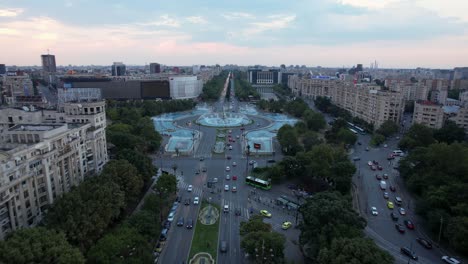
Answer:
(205, 238)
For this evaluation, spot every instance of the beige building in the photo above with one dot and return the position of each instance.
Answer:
(461, 118)
(429, 114)
(16, 86)
(43, 154)
(368, 102)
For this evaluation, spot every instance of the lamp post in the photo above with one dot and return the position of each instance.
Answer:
(248, 154)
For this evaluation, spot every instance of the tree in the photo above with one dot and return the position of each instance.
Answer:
(315, 121)
(327, 216)
(146, 223)
(38, 245)
(418, 136)
(377, 139)
(142, 162)
(311, 139)
(355, 250)
(166, 183)
(346, 136)
(254, 224)
(388, 128)
(124, 245)
(288, 140)
(450, 133)
(126, 176)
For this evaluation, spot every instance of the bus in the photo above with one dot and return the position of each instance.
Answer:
(352, 130)
(259, 183)
(362, 131)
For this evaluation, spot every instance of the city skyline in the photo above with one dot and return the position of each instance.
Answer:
(329, 33)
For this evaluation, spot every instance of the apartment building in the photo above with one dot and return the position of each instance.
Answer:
(43, 154)
(366, 101)
(461, 118)
(428, 113)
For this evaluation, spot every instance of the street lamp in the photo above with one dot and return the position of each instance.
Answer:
(248, 154)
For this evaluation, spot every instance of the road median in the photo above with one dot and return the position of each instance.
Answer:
(205, 238)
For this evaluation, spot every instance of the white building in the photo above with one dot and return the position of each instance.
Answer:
(43, 154)
(185, 87)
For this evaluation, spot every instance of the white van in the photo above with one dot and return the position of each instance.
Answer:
(398, 153)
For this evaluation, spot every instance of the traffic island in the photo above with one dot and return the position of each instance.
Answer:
(205, 240)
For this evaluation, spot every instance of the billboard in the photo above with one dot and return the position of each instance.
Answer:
(155, 89)
(257, 146)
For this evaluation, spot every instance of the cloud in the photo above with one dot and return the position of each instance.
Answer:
(164, 20)
(275, 22)
(197, 20)
(369, 4)
(10, 12)
(237, 15)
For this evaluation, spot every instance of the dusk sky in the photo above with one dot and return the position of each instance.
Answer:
(396, 33)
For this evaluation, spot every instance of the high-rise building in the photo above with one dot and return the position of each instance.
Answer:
(155, 68)
(118, 69)
(48, 63)
(2, 69)
(429, 114)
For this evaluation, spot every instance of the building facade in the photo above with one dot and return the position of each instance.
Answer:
(118, 69)
(48, 63)
(428, 113)
(43, 154)
(155, 68)
(368, 102)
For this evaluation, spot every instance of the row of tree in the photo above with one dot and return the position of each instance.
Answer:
(332, 232)
(422, 136)
(243, 88)
(212, 88)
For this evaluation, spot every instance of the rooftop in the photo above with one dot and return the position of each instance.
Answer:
(35, 127)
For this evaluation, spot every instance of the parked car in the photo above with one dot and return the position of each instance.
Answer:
(400, 228)
(450, 260)
(409, 224)
(406, 251)
(163, 235)
(425, 243)
(171, 217)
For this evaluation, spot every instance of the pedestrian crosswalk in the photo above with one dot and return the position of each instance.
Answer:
(233, 206)
(183, 186)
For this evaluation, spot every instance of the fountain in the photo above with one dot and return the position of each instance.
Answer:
(224, 119)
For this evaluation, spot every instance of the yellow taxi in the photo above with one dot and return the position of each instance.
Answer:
(265, 213)
(390, 205)
(286, 225)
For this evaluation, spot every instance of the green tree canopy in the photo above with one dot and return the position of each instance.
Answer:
(38, 245)
(417, 136)
(450, 133)
(388, 128)
(142, 162)
(126, 176)
(314, 120)
(377, 139)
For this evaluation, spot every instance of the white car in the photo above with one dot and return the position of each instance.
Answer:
(374, 211)
(227, 168)
(196, 200)
(170, 218)
(234, 164)
(402, 211)
(226, 208)
(450, 260)
(190, 188)
(228, 177)
(226, 188)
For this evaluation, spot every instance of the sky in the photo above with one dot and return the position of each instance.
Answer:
(327, 33)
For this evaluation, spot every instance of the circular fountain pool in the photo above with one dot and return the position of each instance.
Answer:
(223, 119)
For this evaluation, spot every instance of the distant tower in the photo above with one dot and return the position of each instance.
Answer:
(118, 69)
(155, 68)
(48, 63)
(2, 69)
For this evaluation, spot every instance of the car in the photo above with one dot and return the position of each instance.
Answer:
(228, 177)
(228, 157)
(226, 187)
(385, 176)
(190, 188)
(370, 163)
(359, 143)
(234, 189)
(375, 162)
(378, 177)
(237, 136)
(234, 177)
(425, 243)
(163, 235)
(390, 205)
(392, 188)
(196, 200)
(197, 172)
(406, 251)
(226, 208)
(402, 211)
(379, 167)
(230, 147)
(385, 195)
(252, 162)
(223, 246)
(265, 213)
(390, 156)
(167, 224)
(178, 199)
(400, 228)
(385, 145)
(234, 164)
(409, 224)
(373, 167)
(398, 200)
(450, 260)
(228, 168)
(215, 180)
(286, 225)
(374, 210)
(173, 208)
(180, 222)
(202, 158)
(394, 216)
(356, 158)
(204, 169)
(189, 223)
(367, 148)
(238, 211)
(187, 201)
(171, 216)
(271, 161)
